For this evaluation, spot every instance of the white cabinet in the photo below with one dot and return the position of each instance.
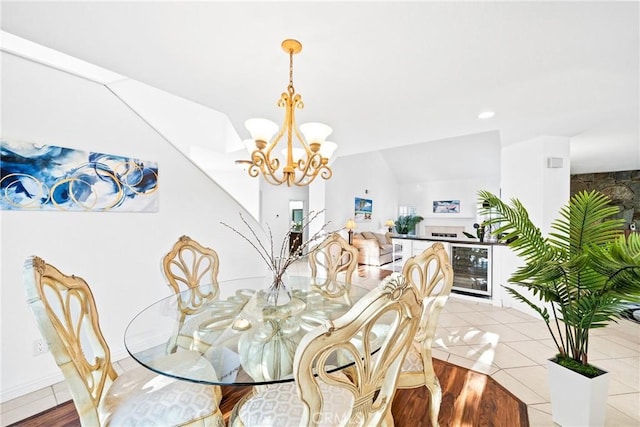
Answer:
(410, 247)
(420, 245)
(472, 264)
(400, 246)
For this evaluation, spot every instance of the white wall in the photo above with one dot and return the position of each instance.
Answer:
(525, 176)
(542, 190)
(274, 209)
(449, 169)
(317, 196)
(622, 148)
(200, 133)
(117, 253)
(423, 194)
(363, 175)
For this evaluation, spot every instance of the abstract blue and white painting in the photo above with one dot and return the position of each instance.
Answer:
(48, 177)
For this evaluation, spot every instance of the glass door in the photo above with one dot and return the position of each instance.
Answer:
(471, 269)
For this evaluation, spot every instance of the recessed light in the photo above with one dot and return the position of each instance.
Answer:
(486, 115)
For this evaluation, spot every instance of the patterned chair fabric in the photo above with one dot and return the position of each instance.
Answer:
(322, 397)
(65, 311)
(431, 275)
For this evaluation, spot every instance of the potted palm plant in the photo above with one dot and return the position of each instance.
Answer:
(580, 277)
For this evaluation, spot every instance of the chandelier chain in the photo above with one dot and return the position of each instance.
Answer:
(291, 89)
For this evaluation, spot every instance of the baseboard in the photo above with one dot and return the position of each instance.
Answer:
(30, 387)
(50, 380)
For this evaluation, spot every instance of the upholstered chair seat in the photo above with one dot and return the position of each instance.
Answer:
(280, 406)
(413, 361)
(322, 396)
(139, 397)
(66, 314)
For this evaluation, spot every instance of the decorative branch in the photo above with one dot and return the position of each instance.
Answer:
(280, 262)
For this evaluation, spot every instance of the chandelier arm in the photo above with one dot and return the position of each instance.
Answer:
(271, 178)
(253, 170)
(303, 142)
(325, 173)
(311, 168)
(260, 164)
(309, 165)
(260, 159)
(275, 141)
(283, 102)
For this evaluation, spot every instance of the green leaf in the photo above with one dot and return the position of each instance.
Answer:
(585, 268)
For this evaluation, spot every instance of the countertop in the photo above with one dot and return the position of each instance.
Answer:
(445, 239)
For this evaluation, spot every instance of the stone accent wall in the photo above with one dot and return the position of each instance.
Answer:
(623, 188)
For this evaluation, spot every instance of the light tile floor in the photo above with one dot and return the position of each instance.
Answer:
(510, 346)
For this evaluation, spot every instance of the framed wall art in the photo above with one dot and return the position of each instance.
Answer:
(446, 206)
(48, 177)
(363, 209)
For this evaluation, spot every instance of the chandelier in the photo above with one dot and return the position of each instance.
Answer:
(306, 154)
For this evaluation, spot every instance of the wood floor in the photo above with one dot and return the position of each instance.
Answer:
(468, 399)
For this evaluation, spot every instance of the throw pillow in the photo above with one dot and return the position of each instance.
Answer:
(382, 239)
(368, 235)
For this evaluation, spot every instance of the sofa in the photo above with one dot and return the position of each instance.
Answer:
(374, 248)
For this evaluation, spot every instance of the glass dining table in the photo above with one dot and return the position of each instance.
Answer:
(237, 336)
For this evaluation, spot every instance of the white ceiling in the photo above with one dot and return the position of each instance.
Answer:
(382, 74)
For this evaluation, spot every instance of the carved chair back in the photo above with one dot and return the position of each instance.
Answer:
(431, 275)
(356, 335)
(66, 315)
(327, 260)
(189, 265)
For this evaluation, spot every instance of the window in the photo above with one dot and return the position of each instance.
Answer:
(407, 210)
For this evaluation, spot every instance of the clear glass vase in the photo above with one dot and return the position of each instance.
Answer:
(278, 292)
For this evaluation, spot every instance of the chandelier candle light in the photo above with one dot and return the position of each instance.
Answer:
(302, 163)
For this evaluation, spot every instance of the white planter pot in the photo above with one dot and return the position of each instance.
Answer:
(577, 401)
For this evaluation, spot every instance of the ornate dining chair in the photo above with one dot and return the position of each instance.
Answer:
(327, 260)
(65, 311)
(190, 266)
(322, 395)
(431, 275)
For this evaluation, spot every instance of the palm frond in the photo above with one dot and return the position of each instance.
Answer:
(544, 313)
(585, 218)
(619, 263)
(514, 222)
(585, 269)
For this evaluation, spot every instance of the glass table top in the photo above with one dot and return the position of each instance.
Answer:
(236, 337)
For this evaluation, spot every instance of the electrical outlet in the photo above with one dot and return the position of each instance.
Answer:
(40, 347)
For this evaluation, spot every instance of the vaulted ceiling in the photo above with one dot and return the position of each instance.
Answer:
(382, 74)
